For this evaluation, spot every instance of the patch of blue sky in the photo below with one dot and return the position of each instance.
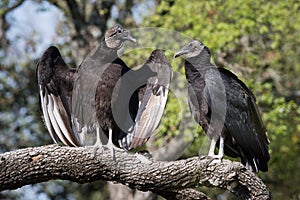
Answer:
(36, 22)
(142, 10)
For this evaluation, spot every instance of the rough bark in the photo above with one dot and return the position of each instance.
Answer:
(174, 180)
(168, 151)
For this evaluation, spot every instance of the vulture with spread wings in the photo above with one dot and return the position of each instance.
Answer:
(94, 97)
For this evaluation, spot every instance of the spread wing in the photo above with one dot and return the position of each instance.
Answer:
(55, 96)
(154, 98)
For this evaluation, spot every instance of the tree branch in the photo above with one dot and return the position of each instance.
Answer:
(39, 164)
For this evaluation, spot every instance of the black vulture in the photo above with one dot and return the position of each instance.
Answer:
(58, 87)
(128, 103)
(77, 101)
(92, 97)
(225, 108)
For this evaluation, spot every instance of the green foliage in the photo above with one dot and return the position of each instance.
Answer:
(282, 121)
(258, 40)
(253, 34)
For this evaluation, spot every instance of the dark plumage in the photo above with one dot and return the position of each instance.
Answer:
(93, 95)
(225, 108)
(55, 81)
(63, 89)
(154, 76)
(124, 98)
(103, 94)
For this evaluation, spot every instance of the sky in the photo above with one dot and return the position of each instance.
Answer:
(39, 21)
(33, 21)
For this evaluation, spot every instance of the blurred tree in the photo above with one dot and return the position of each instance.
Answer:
(258, 40)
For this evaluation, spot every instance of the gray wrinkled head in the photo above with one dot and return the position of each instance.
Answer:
(116, 36)
(192, 49)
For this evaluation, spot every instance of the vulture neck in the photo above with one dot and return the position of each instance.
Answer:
(102, 52)
(198, 64)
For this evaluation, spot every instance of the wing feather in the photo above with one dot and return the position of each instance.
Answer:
(149, 116)
(245, 125)
(54, 80)
(154, 99)
(44, 102)
(63, 121)
(55, 125)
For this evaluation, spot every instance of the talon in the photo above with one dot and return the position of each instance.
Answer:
(143, 158)
(219, 157)
(215, 160)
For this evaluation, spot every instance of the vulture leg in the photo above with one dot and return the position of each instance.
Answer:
(221, 148)
(212, 147)
(98, 142)
(111, 145)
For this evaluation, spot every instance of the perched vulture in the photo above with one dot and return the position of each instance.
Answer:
(63, 112)
(128, 103)
(103, 95)
(93, 97)
(225, 108)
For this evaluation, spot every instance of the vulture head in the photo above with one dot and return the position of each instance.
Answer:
(192, 49)
(116, 36)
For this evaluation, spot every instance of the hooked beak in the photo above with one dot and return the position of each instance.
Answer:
(181, 52)
(128, 37)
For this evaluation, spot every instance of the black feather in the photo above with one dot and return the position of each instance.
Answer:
(244, 131)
